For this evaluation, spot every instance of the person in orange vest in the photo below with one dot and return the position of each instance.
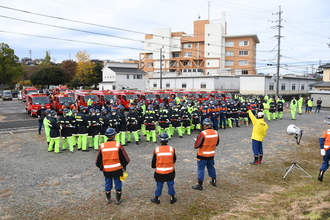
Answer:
(112, 159)
(206, 144)
(163, 161)
(324, 142)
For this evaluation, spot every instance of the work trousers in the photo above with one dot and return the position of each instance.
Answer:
(170, 185)
(209, 164)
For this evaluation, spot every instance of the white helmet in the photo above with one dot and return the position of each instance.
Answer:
(260, 114)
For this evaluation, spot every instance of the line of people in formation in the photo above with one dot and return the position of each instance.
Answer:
(86, 128)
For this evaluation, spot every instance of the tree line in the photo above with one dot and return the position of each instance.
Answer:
(82, 72)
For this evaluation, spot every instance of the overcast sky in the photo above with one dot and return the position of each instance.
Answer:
(114, 30)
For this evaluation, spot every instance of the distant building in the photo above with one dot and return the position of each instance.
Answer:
(194, 82)
(209, 51)
(322, 89)
(118, 76)
(266, 84)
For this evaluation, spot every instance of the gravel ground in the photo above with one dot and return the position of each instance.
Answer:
(36, 184)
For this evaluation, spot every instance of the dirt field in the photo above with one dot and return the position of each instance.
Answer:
(36, 184)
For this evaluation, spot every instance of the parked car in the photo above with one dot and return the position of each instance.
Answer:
(6, 95)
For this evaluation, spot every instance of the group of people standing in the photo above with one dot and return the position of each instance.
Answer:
(112, 159)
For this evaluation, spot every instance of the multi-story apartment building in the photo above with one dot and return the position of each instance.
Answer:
(208, 51)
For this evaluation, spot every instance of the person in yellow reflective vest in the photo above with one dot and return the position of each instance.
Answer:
(293, 108)
(259, 132)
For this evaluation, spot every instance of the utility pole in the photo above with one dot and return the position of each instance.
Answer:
(30, 51)
(279, 26)
(161, 71)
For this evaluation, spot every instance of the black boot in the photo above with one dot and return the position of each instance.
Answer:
(224, 127)
(320, 177)
(108, 196)
(39, 132)
(199, 186)
(155, 200)
(137, 143)
(260, 159)
(213, 182)
(118, 197)
(173, 199)
(256, 161)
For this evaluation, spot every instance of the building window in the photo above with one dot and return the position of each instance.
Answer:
(271, 87)
(113, 87)
(187, 46)
(243, 62)
(203, 85)
(154, 85)
(293, 86)
(187, 54)
(243, 53)
(184, 85)
(176, 55)
(245, 72)
(150, 56)
(229, 63)
(244, 43)
(302, 87)
(283, 86)
(138, 76)
(229, 43)
(168, 85)
(229, 53)
(127, 76)
(186, 63)
(150, 64)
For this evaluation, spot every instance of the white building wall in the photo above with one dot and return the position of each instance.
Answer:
(261, 85)
(108, 75)
(227, 83)
(252, 85)
(192, 83)
(213, 40)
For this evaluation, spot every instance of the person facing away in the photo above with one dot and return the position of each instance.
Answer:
(112, 159)
(163, 161)
(206, 144)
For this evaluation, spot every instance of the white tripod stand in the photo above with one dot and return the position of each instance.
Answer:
(297, 136)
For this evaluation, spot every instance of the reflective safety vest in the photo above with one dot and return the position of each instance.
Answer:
(110, 156)
(164, 159)
(326, 135)
(209, 144)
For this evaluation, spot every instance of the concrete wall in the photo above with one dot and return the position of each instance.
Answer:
(324, 95)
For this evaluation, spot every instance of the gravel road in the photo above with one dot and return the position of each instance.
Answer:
(35, 184)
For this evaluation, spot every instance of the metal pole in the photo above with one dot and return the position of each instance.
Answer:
(278, 52)
(161, 73)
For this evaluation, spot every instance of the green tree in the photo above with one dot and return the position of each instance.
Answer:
(69, 67)
(48, 76)
(96, 76)
(10, 70)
